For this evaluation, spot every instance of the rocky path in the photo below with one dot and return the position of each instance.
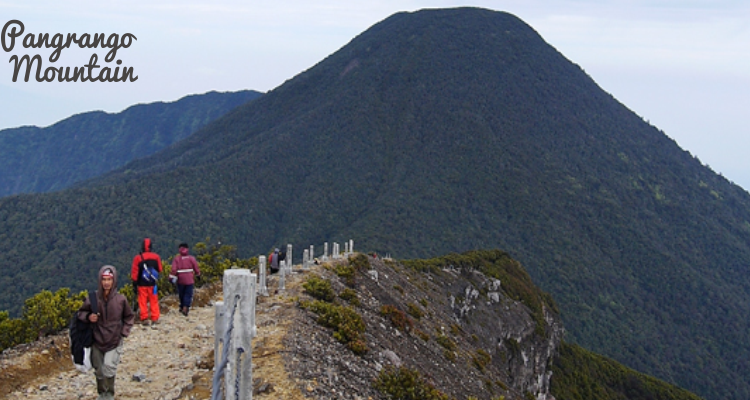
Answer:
(172, 360)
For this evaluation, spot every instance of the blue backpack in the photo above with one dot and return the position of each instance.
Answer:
(148, 272)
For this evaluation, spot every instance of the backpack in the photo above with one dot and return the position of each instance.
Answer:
(81, 336)
(148, 272)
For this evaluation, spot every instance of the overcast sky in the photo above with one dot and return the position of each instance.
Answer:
(683, 65)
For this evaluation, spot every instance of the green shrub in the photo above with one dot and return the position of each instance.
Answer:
(414, 310)
(214, 259)
(422, 335)
(450, 355)
(14, 331)
(481, 359)
(406, 384)
(319, 288)
(446, 342)
(43, 314)
(347, 325)
(48, 313)
(350, 295)
(398, 318)
(359, 262)
(347, 273)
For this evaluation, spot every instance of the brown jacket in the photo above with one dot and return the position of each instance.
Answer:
(115, 315)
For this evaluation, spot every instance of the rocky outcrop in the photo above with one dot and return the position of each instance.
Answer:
(523, 348)
(465, 335)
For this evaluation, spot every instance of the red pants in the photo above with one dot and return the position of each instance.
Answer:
(146, 295)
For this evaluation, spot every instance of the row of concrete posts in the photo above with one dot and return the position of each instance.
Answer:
(308, 259)
(234, 321)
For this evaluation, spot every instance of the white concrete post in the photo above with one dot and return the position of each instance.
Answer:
(336, 251)
(305, 258)
(325, 251)
(346, 249)
(262, 286)
(312, 256)
(282, 279)
(289, 258)
(351, 246)
(220, 328)
(239, 300)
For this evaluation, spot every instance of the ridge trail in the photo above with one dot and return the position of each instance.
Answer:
(175, 357)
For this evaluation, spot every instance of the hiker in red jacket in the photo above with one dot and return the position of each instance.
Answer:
(184, 271)
(112, 322)
(143, 272)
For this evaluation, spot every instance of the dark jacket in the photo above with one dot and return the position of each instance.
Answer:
(274, 257)
(115, 316)
(145, 254)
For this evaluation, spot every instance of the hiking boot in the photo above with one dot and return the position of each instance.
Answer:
(154, 324)
(101, 388)
(110, 388)
(145, 322)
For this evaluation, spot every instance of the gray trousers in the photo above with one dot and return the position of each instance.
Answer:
(106, 364)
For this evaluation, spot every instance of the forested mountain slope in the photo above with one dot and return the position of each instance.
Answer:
(432, 132)
(34, 160)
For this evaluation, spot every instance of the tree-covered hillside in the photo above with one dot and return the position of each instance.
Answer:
(433, 132)
(34, 160)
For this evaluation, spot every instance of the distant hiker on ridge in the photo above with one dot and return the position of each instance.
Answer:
(273, 261)
(112, 323)
(145, 272)
(184, 271)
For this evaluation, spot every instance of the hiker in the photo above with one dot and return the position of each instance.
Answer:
(112, 323)
(145, 272)
(184, 271)
(273, 261)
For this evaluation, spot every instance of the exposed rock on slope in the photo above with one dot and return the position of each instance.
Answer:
(466, 336)
(459, 330)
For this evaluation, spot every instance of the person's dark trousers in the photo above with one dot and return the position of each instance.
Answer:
(185, 292)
